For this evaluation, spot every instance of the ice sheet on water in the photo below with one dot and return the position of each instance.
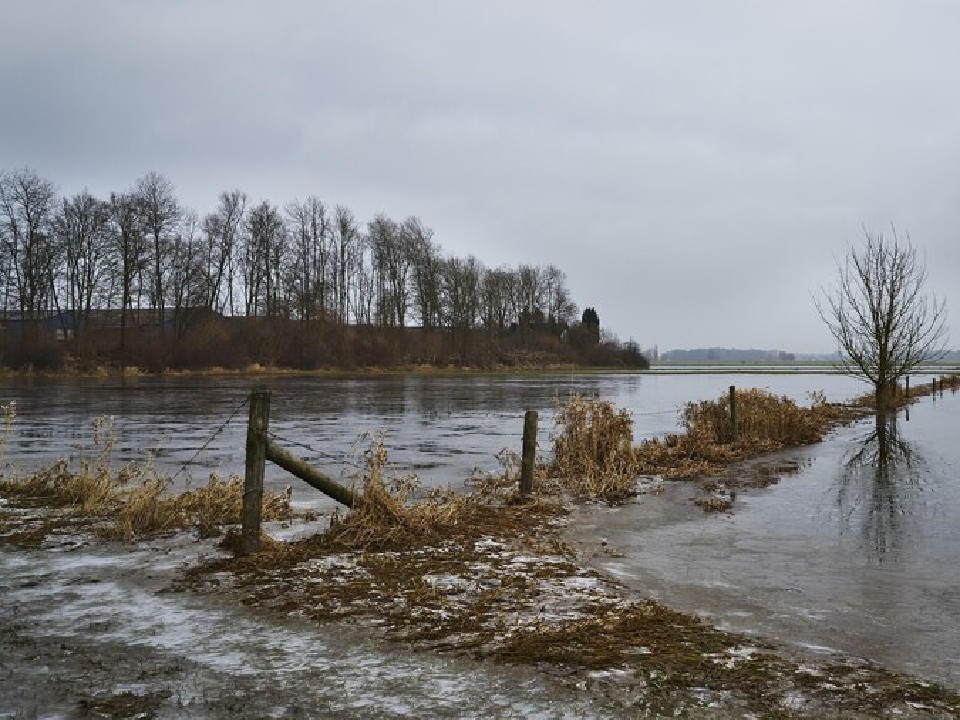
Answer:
(111, 596)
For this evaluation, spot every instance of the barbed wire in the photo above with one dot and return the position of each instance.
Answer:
(341, 459)
(209, 440)
(675, 411)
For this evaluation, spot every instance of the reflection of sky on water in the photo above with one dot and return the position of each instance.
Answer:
(441, 427)
(856, 552)
(839, 555)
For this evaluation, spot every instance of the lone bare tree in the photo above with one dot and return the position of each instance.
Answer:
(884, 321)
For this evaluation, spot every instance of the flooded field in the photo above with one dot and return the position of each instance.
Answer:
(96, 625)
(443, 428)
(856, 553)
(837, 558)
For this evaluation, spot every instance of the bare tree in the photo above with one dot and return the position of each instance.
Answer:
(561, 310)
(310, 230)
(264, 256)
(426, 262)
(884, 321)
(347, 242)
(82, 227)
(27, 206)
(161, 213)
(391, 255)
(223, 229)
(187, 281)
(130, 250)
(498, 295)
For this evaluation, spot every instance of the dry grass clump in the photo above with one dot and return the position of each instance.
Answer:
(59, 486)
(765, 422)
(134, 501)
(150, 509)
(386, 515)
(142, 509)
(762, 419)
(593, 449)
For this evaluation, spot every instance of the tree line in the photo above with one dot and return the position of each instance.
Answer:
(138, 276)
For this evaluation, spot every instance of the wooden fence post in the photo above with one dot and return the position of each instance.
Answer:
(529, 458)
(256, 459)
(734, 432)
(907, 389)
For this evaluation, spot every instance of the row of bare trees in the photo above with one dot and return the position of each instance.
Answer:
(308, 262)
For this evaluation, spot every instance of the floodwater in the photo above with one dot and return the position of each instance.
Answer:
(857, 553)
(851, 554)
(88, 622)
(442, 428)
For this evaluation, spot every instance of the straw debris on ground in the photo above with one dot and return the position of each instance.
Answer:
(489, 576)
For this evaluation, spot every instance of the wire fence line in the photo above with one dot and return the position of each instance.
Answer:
(348, 460)
(341, 459)
(216, 433)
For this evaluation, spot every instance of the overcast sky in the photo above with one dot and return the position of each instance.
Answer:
(695, 167)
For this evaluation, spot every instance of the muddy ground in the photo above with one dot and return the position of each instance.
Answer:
(514, 624)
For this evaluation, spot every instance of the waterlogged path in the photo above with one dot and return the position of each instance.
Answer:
(84, 630)
(858, 553)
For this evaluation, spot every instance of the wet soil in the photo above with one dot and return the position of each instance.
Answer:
(476, 625)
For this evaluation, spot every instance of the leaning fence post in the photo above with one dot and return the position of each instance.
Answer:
(734, 432)
(529, 458)
(256, 459)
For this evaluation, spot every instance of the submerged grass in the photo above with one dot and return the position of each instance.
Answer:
(126, 503)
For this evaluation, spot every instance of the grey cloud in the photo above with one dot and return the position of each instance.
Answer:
(694, 166)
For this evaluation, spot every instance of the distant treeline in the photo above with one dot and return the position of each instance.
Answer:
(717, 354)
(137, 278)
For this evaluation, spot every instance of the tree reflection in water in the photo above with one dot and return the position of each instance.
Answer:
(879, 488)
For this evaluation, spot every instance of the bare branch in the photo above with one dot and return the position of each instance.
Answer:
(884, 322)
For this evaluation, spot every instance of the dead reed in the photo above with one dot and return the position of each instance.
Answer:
(765, 422)
(134, 500)
(125, 511)
(393, 513)
(593, 449)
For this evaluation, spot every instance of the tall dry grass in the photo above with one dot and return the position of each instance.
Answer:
(765, 422)
(593, 449)
(134, 500)
(763, 419)
(390, 511)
